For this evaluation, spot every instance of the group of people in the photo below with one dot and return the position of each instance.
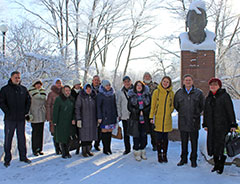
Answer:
(93, 111)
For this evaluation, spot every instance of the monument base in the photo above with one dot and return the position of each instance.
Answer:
(201, 65)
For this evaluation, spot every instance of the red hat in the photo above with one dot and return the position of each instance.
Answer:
(215, 80)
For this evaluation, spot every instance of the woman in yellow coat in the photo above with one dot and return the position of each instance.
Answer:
(161, 115)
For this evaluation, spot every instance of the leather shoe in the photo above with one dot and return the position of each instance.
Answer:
(6, 164)
(194, 164)
(26, 160)
(181, 163)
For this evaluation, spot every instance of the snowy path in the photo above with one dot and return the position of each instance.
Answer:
(117, 169)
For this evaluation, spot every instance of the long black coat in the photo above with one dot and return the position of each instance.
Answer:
(86, 111)
(219, 117)
(189, 107)
(133, 108)
(106, 106)
(15, 101)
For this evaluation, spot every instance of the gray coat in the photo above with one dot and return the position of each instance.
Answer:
(37, 109)
(85, 110)
(122, 102)
(189, 107)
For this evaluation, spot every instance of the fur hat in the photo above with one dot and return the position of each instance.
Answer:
(215, 80)
(105, 83)
(76, 81)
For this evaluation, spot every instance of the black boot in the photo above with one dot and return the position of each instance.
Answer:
(165, 148)
(216, 163)
(221, 164)
(63, 148)
(84, 151)
(88, 150)
(109, 139)
(159, 150)
(57, 147)
(77, 151)
(105, 144)
(67, 152)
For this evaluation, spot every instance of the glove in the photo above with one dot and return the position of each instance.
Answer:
(27, 117)
(79, 124)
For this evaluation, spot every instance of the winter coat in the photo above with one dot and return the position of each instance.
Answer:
(219, 117)
(189, 108)
(162, 108)
(37, 109)
(63, 114)
(55, 92)
(15, 101)
(122, 101)
(152, 86)
(86, 111)
(133, 107)
(106, 106)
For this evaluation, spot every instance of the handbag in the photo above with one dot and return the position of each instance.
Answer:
(117, 133)
(232, 144)
(73, 142)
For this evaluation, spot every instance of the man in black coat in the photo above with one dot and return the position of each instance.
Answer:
(189, 102)
(96, 82)
(15, 102)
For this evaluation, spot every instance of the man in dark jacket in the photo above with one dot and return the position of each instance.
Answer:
(147, 79)
(189, 102)
(15, 102)
(96, 82)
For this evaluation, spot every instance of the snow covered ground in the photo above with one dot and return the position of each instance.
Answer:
(116, 168)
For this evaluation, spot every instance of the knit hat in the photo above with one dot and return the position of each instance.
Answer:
(147, 73)
(37, 81)
(55, 81)
(105, 83)
(76, 81)
(126, 78)
(215, 80)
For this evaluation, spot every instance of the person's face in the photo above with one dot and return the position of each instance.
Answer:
(67, 91)
(77, 86)
(96, 81)
(127, 83)
(58, 84)
(108, 87)
(147, 77)
(196, 22)
(139, 87)
(165, 83)
(88, 90)
(16, 79)
(188, 82)
(38, 86)
(214, 87)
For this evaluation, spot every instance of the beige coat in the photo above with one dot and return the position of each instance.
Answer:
(37, 109)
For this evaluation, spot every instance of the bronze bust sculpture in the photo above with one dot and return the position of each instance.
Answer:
(196, 24)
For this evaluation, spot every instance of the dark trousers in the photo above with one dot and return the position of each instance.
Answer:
(9, 130)
(126, 136)
(152, 134)
(194, 144)
(97, 142)
(37, 137)
(160, 136)
(139, 143)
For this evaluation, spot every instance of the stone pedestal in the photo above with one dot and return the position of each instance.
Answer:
(201, 65)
